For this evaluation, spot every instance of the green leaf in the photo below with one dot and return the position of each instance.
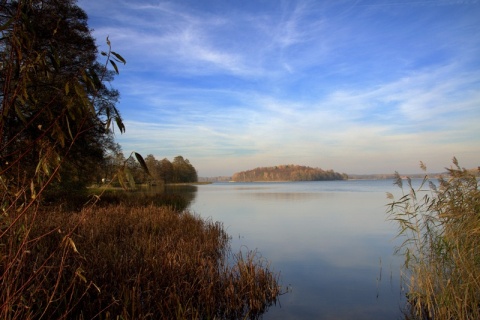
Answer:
(142, 163)
(67, 88)
(119, 57)
(114, 66)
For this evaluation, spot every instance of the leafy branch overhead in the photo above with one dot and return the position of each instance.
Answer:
(57, 109)
(108, 112)
(116, 57)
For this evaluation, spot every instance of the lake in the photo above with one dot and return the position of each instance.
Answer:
(330, 241)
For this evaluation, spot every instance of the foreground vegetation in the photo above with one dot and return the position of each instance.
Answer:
(441, 230)
(124, 262)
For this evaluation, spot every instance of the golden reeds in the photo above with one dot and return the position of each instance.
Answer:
(441, 228)
(125, 262)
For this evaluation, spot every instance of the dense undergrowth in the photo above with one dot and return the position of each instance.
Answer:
(440, 226)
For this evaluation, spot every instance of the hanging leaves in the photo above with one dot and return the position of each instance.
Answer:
(142, 163)
(118, 57)
(114, 66)
(120, 124)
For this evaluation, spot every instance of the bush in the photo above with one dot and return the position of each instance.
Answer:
(441, 228)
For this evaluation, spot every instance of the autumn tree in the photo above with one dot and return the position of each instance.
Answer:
(166, 170)
(183, 171)
(288, 173)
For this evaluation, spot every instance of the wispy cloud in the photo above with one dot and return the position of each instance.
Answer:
(351, 85)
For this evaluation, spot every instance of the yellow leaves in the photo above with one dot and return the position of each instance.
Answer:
(82, 95)
(79, 273)
(32, 190)
(72, 244)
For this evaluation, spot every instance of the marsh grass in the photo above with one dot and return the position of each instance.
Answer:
(440, 226)
(123, 262)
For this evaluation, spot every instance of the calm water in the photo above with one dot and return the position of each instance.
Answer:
(330, 241)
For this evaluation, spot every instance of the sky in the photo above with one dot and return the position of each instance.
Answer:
(355, 86)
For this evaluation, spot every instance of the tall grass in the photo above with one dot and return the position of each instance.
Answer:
(124, 262)
(440, 225)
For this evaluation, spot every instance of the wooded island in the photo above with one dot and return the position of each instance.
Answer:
(288, 172)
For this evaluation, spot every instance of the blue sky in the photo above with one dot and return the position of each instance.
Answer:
(355, 86)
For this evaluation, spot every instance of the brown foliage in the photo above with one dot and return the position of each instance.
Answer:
(136, 263)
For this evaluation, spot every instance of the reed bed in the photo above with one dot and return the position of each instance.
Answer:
(440, 226)
(124, 262)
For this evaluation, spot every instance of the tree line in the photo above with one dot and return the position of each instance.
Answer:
(287, 173)
(179, 170)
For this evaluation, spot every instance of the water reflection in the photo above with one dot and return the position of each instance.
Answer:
(329, 241)
(186, 192)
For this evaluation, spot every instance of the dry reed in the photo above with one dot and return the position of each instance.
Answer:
(123, 262)
(441, 228)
